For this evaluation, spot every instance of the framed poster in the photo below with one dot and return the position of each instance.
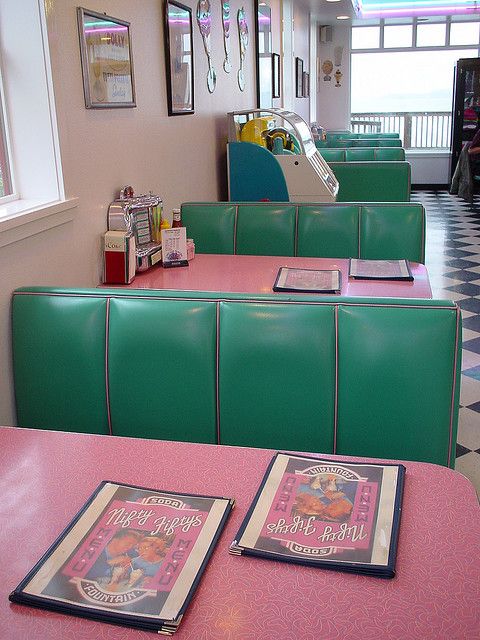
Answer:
(107, 67)
(306, 84)
(299, 77)
(275, 75)
(179, 58)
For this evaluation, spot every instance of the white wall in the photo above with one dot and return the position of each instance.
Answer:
(333, 103)
(429, 167)
(181, 158)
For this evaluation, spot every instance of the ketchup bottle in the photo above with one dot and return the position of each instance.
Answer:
(177, 218)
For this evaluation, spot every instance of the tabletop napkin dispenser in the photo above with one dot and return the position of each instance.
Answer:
(140, 216)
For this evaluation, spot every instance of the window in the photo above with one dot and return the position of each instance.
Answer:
(365, 37)
(399, 35)
(464, 33)
(431, 35)
(31, 172)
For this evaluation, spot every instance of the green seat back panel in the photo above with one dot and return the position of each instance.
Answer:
(372, 181)
(170, 345)
(254, 174)
(377, 142)
(266, 230)
(392, 232)
(59, 362)
(328, 231)
(400, 406)
(277, 375)
(389, 153)
(359, 155)
(210, 225)
(377, 135)
(333, 155)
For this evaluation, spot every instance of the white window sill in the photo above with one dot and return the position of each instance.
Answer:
(24, 218)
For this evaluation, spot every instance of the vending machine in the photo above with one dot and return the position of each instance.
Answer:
(271, 155)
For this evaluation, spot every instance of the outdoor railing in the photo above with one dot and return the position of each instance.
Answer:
(418, 130)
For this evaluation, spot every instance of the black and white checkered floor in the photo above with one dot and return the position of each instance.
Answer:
(453, 263)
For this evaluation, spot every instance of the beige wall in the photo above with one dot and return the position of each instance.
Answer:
(181, 158)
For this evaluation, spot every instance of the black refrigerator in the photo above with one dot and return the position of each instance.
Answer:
(466, 106)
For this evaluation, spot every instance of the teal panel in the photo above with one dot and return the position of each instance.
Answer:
(395, 383)
(372, 181)
(328, 231)
(162, 369)
(277, 375)
(359, 155)
(377, 142)
(266, 230)
(211, 225)
(378, 135)
(392, 232)
(59, 362)
(389, 153)
(254, 174)
(333, 155)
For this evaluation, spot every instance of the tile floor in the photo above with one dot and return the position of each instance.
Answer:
(453, 263)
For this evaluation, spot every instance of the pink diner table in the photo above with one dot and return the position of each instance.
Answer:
(46, 476)
(257, 274)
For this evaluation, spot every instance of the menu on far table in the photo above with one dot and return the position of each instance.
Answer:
(379, 269)
(308, 280)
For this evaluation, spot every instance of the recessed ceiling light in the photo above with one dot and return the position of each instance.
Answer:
(343, 17)
(333, 0)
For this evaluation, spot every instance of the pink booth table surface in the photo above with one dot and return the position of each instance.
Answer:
(257, 274)
(46, 476)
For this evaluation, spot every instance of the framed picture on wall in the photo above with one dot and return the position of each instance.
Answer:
(107, 67)
(179, 58)
(275, 75)
(306, 84)
(299, 77)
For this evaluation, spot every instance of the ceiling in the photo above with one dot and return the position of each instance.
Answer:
(327, 12)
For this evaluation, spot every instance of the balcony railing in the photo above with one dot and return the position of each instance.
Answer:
(418, 130)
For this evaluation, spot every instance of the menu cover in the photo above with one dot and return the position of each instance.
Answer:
(132, 556)
(380, 269)
(326, 513)
(308, 280)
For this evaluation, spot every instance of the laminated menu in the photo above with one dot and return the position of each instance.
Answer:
(308, 280)
(379, 269)
(132, 556)
(326, 513)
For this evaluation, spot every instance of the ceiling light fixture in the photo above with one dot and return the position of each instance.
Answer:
(343, 17)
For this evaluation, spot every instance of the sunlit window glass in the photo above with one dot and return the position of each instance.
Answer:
(365, 37)
(399, 35)
(464, 33)
(5, 176)
(431, 35)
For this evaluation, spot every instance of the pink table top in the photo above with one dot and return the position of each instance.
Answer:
(257, 274)
(46, 476)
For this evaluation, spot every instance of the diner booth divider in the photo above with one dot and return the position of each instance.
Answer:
(350, 376)
(372, 230)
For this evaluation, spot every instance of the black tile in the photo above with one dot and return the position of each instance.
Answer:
(466, 289)
(472, 323)
(458, 253)
(460, 263)
(475, 406)
(472, 345)
(472, 305)
(464, 276)
(461, 450)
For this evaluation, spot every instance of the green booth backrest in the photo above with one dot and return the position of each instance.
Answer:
(367, 154)
(372, 231)
(366, 377)
(372, 181)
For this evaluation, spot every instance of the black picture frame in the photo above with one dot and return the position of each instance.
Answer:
(299, 77)
(306, 84)
(275, 75)
(179, 58)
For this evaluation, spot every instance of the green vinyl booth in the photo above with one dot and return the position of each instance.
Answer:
(348, 376)
(376, 231)
(366, 154)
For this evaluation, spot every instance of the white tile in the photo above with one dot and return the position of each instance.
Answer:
(468, 334)
(445, 294)
(473, 269)
(469, 466)
(469, 360)
(467, 314)
(470, 393)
